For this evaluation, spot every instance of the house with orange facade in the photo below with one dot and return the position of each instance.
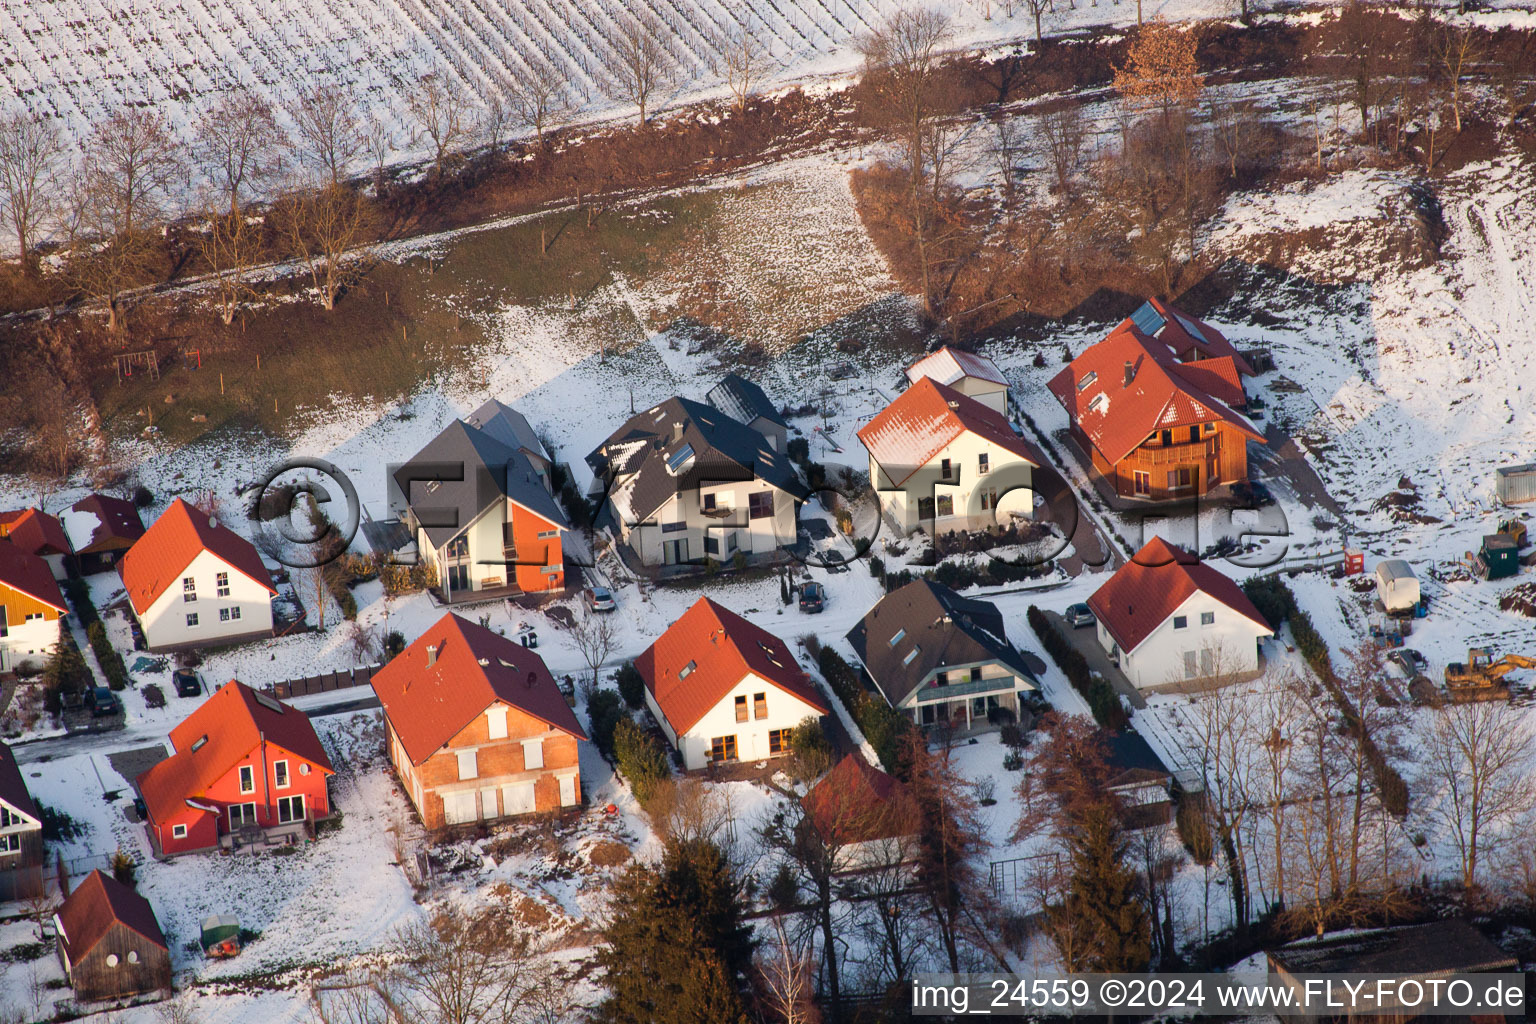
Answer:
(31, 608)
(248, 771)
(1158, 406)
(479, 503)
(477, 728)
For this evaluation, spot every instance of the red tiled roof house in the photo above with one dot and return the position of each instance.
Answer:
(1172, 621)
(247, 769)
(724, 689)
(38, 533)
(865, 815)
(109, 943)
(1158, 406)
(972, 375)
(31, 608)
(477, 727)
(942, 461)
(193, 582)
(21, 827)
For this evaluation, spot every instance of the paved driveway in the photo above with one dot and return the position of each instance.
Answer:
(1087, 642)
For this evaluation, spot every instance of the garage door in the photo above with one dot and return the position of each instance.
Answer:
(517, 797)
(459, 808)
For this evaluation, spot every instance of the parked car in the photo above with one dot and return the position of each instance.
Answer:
(1079, 615)
(188, 682)
(599, 599)
(102, 701)
(1250, 494)
(813, 597)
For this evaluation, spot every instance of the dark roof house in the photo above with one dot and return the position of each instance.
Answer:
(101, 528)
(110, 943)
(745, 402)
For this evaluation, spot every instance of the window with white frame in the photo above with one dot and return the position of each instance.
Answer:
(192, 620)
(221, 583)
(178, 831)
(188, 589)
(496, 723)
(1207, 661)
(247, 779)
(290, 808)
(533, 754)
(10, 843)
(1180, 621)
(467, 766)
(1207, 618)
(1191, 666)
(280, 777)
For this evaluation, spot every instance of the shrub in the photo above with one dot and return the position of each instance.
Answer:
(58, 827)
(640, 758)
(876, 567)
(811, 749)
(1195, 830)
(885, 728)
(631, 685)
(1271, 597)
(739, 560)
(604, 711)
(394, 643)
(799, 450)
(123, 867)
(1100, 696)
(111, 662)
(142, 498)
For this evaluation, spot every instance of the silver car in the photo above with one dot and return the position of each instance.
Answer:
(1079, 615)
(600, 599)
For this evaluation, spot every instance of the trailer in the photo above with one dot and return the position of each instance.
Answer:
(1397, 587)
(1516, 484)
(1498, 558)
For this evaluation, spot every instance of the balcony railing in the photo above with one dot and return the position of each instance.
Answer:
(1181, 454)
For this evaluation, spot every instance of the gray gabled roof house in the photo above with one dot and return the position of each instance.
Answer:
(684, 482)
(940, 657)
(481, 510)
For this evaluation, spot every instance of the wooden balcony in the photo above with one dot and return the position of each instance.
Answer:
(1196, 454)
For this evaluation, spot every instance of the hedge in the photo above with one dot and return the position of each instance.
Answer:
(111, 661)
(1275, 601)
(604, 711)
(640, 758)
(882, 725)
(1101, 697)
(631, 685)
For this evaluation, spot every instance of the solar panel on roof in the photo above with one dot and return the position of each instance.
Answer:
(267, 702)
(679, 457)
(1147, 319)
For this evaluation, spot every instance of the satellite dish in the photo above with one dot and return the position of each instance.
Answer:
(111, 959)
(303, 769)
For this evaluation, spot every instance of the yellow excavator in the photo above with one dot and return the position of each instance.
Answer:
(1481, 672)
(1515, 530)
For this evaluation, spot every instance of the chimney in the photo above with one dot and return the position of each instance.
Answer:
(431, 655)
(1130, 372)
(677, 431)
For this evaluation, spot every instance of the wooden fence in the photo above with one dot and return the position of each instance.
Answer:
(361, 676)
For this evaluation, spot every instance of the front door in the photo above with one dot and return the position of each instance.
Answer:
(674, 552)
(458, 577)
(241, 815)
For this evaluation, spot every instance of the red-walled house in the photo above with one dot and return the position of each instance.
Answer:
(248, 770)
(477, 727)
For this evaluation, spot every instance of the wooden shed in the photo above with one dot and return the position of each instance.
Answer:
(110, 944)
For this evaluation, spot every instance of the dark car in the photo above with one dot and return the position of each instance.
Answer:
(187, 683)
(813, 597)
(1410, 661)
(1250, 494)
(102, 701)
(1079, 615)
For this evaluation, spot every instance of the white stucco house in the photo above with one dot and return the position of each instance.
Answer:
(1171, 621)
(193, 582)
(972, 375)
(725, 690)
(684, 482)
(943, 461)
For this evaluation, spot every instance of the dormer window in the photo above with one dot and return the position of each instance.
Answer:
(1098, 403)
(687, 670)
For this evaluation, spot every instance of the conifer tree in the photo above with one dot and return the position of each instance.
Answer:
(1103, 905)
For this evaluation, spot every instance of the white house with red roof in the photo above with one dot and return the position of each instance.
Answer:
(1157, 406)
(724, 689)
(477, 728)
(972, 375)
(941, 460)
(248, 771)
(31, 608)
(193, 582)
(1172, 621)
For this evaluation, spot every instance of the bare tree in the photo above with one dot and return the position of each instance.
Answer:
(594, 637)
(1456, 49)
(1478, 756)
(1062, 127)
(31, 162)
(901, 65)
(40, 907)
(746, 57)
(460, 969)
(329, 133)
(496, 118)
(1231, 122)
(1360, 41)
(319, 593)
(1038, 9)
(641, 63)
(784, 971)
(441, 113)
(230, 245)
(542, 100)
(350, 999)
(123, 188)
(236, 145)
(321, 226)
(379, 142)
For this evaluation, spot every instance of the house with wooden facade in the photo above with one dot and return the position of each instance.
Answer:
(973, 375)
(38, 533)
(248, 771)
(682, 482)
(723, 689)
(939, 658)
(21, 834)
(109, 942)
(479, 503)
(940, 461)
(477, 728)
(1158, 406)
(1170, 621)
(32, 609)
(101, 529)
(194, 582)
